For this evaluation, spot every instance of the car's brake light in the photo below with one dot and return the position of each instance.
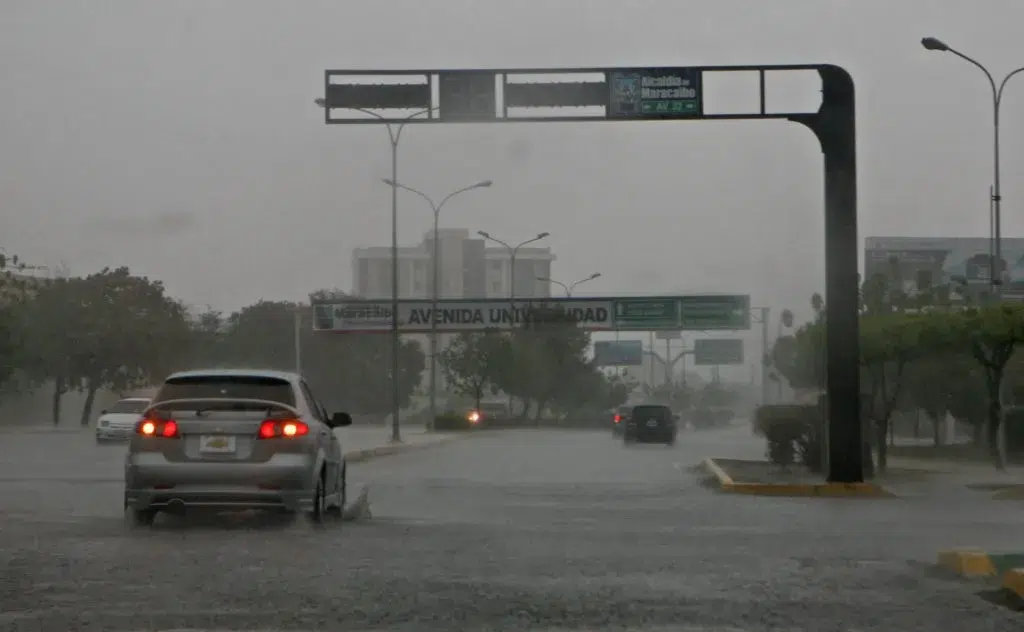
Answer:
(617, 418)
(275, 428)
(166, 428)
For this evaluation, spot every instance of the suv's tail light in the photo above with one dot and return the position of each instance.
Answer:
(617, 418)
(286, 428)
(166, 428)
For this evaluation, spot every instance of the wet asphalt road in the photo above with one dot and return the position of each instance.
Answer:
(531, 530)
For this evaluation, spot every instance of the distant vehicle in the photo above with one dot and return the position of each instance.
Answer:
(488, 410)
(619, 418)
(235, 439)
(651, 423)
(117, 423)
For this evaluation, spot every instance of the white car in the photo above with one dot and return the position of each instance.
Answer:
(118, 422)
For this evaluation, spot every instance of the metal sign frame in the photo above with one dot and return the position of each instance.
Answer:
(834, 125)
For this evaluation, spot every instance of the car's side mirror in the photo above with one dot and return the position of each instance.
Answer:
(103, 412)
(340, 420)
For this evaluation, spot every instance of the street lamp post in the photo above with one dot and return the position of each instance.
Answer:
(435, 293)
(513, 251)
(995, 257)
(394, 135)
(569, 288)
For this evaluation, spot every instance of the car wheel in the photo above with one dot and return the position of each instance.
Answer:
(342, 494)
(319, 510)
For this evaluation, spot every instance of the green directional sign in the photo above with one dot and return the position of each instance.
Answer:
(647, 313)
(708, 312)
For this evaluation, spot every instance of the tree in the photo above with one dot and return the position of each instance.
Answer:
(350, 372)
(888, 343)
(541, 357)
(992, 334)
(469, 363)
(108, 330)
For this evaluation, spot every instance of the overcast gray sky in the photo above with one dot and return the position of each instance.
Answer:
(179, 138)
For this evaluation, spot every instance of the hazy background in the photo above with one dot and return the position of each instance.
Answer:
(180, 138)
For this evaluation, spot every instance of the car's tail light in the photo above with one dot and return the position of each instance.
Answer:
(166, 428)
(617, 418)
(282, 428)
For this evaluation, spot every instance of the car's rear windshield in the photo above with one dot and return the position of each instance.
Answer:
(129, 406)
(655, 412)
(624, 410)
(273, 389)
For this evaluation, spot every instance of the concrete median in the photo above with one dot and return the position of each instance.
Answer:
(726, 483)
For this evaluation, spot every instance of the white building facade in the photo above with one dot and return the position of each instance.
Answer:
(469, 268)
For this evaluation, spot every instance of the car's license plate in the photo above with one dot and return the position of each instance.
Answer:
(216, 444)
(652, 423)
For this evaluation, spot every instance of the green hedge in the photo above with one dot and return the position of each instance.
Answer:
(794, 433)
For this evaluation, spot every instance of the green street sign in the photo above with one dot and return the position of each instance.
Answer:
(647, 313)
(703, 313)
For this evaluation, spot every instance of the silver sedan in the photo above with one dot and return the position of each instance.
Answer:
(235, 439)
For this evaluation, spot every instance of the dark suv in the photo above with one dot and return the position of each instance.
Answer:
(650, 423)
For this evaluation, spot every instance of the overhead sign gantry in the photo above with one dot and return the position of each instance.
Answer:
(655, 93)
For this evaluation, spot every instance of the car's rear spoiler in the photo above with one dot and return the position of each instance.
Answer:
(257, 404)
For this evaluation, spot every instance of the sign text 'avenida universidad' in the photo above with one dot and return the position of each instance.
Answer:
(700, 312)
(416, 316)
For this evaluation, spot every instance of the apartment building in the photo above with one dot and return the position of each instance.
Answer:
(469, 268)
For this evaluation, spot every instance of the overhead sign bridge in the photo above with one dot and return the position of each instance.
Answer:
(654, 93)
(700, 312)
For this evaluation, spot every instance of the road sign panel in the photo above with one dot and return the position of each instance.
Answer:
(467, 96)
(361, 316)
(710, 312)
(619, 353)
(655, 93)
(716, 351)
(651, 313)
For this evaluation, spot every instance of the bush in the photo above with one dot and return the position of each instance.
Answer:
(793, 433)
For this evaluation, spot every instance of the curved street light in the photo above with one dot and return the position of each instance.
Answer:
(572, 286)
(995, 255)
(513, 251)
(436, 208)
(394, 135)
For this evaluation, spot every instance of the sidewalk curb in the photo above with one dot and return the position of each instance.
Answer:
(365, 454)
(972, 563)
(802, 490)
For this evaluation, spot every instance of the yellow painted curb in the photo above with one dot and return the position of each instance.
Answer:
(1013, 581)
(827, 490)
(967, 562)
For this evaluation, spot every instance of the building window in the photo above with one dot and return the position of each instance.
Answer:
(496, 286)
(496, 266)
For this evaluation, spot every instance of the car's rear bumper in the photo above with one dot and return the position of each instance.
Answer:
(286, 481)
(113, 434)
(219, 497)
(651, 435)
